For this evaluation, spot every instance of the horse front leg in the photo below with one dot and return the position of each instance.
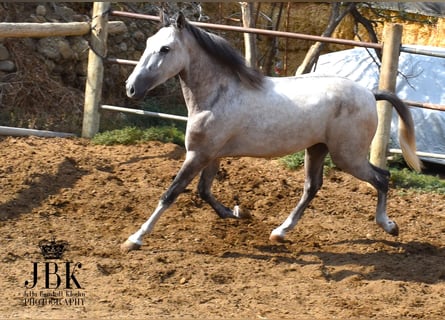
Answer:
(192, 165)
(204, 189)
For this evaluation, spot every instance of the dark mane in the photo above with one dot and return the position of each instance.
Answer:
(219, 49)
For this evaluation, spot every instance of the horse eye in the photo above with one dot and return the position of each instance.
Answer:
(165, 49)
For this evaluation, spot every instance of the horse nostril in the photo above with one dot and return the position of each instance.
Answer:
(131, 91)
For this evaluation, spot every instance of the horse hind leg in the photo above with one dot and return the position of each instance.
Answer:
(313, 164)
(204, 189)
(381, 183)
(379, 179)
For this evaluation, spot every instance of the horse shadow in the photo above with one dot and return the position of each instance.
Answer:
(413, 261)
(39, 187)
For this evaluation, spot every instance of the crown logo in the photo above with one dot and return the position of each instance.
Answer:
(52, 249)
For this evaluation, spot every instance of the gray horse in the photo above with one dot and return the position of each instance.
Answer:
(235, 111)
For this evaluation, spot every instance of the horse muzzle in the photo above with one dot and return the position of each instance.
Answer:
(134, 91)
(138, 85)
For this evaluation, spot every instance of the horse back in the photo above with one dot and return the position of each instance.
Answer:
(288, 115)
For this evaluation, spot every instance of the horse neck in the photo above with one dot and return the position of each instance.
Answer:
(202, 81)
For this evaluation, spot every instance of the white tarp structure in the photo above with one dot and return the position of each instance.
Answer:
(421, 79)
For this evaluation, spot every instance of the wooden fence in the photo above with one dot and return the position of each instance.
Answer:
(388, 76)
(41, 30)
(100, 27)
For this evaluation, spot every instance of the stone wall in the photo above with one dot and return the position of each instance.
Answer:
(56, 67)
(60, 54)
(6, 64)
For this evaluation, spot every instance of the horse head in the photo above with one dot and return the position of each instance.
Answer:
(164, 57)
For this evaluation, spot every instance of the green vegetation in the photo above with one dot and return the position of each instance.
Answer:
(136, 128)
(296, 160)
(401, 177)
(132, 135)
(408, 179)
(293, 161)
(166, 98)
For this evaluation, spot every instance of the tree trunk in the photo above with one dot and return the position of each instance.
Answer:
(315, 50)
(249, 38)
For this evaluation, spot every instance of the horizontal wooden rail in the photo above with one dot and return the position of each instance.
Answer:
(47, 29)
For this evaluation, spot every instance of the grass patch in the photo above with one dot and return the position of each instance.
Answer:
(408, 179)
(133, 135)
(296, 160)
(293, 161)
(401, 176)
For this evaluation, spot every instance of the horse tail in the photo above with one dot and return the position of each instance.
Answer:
(407, 136)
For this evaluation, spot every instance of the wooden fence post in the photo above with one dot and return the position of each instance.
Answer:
(98, 50)
(249, 38)
(388, 77)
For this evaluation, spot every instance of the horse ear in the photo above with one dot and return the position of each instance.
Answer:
(165, 20)
(180, 20)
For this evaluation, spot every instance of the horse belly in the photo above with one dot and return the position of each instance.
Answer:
(269, 137)
(262, 149)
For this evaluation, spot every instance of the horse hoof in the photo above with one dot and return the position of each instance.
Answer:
(390, 227)
(394, 231)
(241, 213)
(128, 246)
(277, 238)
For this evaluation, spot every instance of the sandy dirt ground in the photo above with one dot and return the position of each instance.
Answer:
(337, 264)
